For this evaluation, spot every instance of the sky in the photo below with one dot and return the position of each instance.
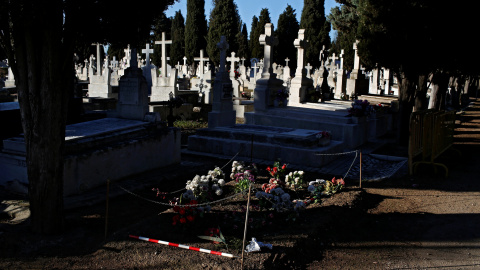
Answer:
(248, 8)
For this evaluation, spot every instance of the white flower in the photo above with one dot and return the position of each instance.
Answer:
(320, 181)
(300, 172)
(239, 168)
(221, 182)
(311, 183)
(215, 187)
(297, 179)
(232, 175)
(219, 192)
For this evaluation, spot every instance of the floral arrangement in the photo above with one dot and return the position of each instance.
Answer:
(243, 175)
(202, 188)
(280, 200)
(360, 108)
(294, 179)
(320, 187)
(187, 214)
(277, 171)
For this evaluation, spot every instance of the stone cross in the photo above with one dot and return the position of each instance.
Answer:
(308, 68)
(232, 59)
(333, 58)
(223, 47)
(286, 61)
(164, 43)
(243, 61)
(185, 60)
(99, 71)
(114, 62)
(92, 58)
(267, 40)
(202, 63)
(147, 51)
(86, 62)
(300, 43)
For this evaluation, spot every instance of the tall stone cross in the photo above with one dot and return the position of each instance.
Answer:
(164, 43)
(202, 63)
(114, 62)
(99, 70)
(300, 43)
(286, 61)
(243, 61)
(147, 51)
(185, 60)
(223, 47)
(267, 40)
(333, 58)
(308, 68)
(232, 59)
(86, 62)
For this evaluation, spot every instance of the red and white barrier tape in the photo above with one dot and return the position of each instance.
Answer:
(183, 246)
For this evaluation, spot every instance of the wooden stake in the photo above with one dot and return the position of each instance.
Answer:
(246, 223)
(360, 169)
(251, 150)
(106, 210)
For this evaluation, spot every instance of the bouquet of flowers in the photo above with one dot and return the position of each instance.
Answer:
(277, 171)
(278, 199)
(294, 179)
(320, 187)
(202, 188)
(360, 108)
(243, 175)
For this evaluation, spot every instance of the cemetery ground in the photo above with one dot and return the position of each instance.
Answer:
(408, 222)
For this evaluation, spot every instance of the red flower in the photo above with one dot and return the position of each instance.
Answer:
(268, 169)
(334, 181)
(176, 208)
(264, 186)
(183, 220)
(284, 166)
(181, 211)
(275, 169)
(190, 218)
(193, 202)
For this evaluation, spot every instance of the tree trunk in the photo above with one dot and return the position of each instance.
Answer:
(421, 93)
(42, 72)
(405, 100)
(439, 92)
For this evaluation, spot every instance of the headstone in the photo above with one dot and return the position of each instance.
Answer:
(268, 84)
(10, 82)
(164, 44)
(340, 89)
(300, 83)
(222, 113)
(356, 83)
(133, 92)
(99, 70)
(286, 71)
(232, 59)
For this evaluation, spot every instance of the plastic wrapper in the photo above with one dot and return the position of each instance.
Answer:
(256, 246)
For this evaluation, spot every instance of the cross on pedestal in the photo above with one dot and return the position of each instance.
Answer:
(341, 58)
(356, 60)
(223, 47)
(99, 71)
(232, 59)
(202, 63)
(185, 60)
(267, 40)
(200, 86)
(243, 61)
(164, 43)
(86, 62)
(286, 61)
(114, 63)
(300, 44)
(147, 51)
(308, 68)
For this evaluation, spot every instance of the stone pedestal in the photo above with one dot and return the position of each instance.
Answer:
(298, 89)
(222, 114)
(264, 92)
(133, 95)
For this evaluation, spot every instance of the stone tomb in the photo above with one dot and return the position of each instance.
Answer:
(109, 148)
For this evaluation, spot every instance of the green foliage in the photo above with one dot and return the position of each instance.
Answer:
(189, 124)
(243, 50)
(224, 21)
(177, 48)
(251, 42)
(287, 32)
(256, 48)
(317, 29)
(345, 19)
(195, 29)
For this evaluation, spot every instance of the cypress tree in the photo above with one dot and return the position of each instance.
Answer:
(317, 29)
(257, 49)
(287, 32)
(243, 50)
(224, 21)
(195, 29)
(177, 48)
(253, 28)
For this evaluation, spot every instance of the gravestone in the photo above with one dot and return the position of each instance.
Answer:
(147, 69)
(201, 65)
(133, 92)
(222, 113)
(164, 43)
(300, 83)
(356, 84)
(268, 84)
(340, 89)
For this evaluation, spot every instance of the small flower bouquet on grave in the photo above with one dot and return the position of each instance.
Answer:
(294, 179)
(320, 187)
(243, 175)
(360, 108)
(204, 188)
